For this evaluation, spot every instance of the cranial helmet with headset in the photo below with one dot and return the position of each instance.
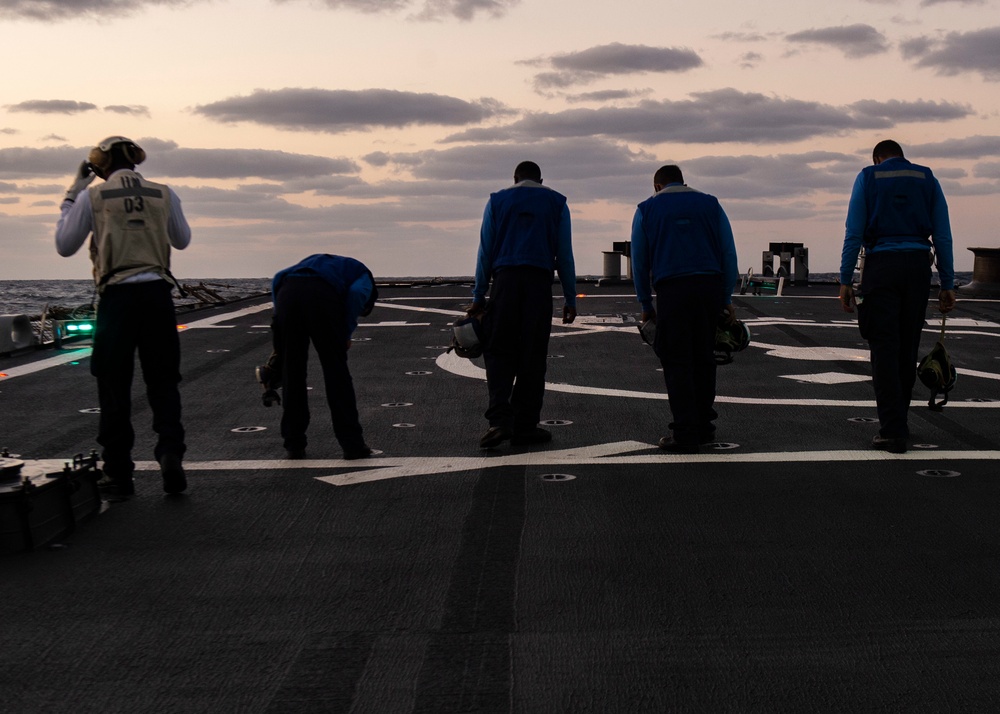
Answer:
(468, 337)
(938, 374)
(102, 157)
(730, 338)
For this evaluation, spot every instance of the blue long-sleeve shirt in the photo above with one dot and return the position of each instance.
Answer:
(858, 218)
(653, 258)
(349, 277)
(565, 265)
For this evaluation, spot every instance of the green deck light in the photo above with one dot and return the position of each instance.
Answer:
(65, 329)
(79, 326)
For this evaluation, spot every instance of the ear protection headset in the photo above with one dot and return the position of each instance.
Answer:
(101, 156)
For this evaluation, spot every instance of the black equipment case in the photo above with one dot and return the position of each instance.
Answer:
(38, 506)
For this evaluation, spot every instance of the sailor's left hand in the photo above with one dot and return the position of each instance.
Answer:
(847, 298)
(946, 301)
(569, 314)
(84, 176)
(730, 314)
(475, 309)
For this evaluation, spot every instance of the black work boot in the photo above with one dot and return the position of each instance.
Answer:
(174, 480)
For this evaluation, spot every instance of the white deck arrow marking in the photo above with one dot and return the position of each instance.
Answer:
(613, 454)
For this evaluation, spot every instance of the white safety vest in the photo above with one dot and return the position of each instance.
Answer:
(130, 228)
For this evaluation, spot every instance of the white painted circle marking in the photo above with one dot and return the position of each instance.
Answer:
(938, 473)
(557, 478)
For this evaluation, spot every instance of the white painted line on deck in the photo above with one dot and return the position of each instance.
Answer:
(450, 362)
(395, 323)
(62, 358)
(827, 378)
(213, 322)
(618, 454)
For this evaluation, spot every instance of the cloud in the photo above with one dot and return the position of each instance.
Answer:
(338, 111)
(137, 110)
(742, 37)
(167, 160)
(581, 166)
(464, 9)
(52, 106)
(987, 169)
(921, 110)
(958, 52)
(773, 177)
(927, 3)
(615, 59)
(607, 95)
(749, 60)
(724, 115)
(9, 131)
(427, 9)
(54, 137)
(972, 147)
(53, 10)
(853, 40)
(24, 163)
(915, 47)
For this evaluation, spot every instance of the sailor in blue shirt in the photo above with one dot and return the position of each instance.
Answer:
(682, 243)
(320, 299)
(525, 236)
(898, 214)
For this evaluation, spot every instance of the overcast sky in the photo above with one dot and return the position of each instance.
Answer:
(378, 128)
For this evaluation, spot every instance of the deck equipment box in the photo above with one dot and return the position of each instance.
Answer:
(38, 505)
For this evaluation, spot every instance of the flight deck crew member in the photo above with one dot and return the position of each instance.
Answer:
(682, 244)
(133, 223)
(898, 213)
(525, 236)
(320, 299)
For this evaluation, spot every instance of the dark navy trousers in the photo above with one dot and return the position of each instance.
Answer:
(687, 312)
(307, 308)
(517, 324)
(895, 287)
(137, 317)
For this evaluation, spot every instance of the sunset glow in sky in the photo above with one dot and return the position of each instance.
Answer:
(378, 128)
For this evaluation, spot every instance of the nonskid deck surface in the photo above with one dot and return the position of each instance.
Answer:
(787, 566)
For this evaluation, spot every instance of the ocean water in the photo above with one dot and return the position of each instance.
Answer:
(30, 297)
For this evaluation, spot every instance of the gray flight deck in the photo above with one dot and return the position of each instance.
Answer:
(789, 567)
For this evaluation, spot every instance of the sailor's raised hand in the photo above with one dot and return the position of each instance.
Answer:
(82, 179)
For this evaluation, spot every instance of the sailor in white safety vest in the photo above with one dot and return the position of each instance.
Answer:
(132, 224)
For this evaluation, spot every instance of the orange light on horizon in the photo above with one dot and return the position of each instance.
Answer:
(582, 295)
(181, 327)
(3, 375)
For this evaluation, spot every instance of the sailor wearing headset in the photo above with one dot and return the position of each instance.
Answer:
(133, 223)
